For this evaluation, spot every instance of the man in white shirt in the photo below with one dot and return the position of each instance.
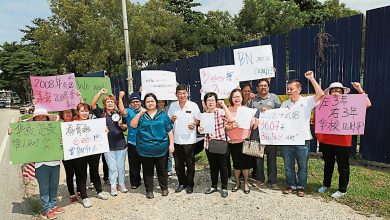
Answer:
(299, 152)
(185, 115)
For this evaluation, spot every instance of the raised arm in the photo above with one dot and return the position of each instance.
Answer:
(317, 88)
(360, 90)
(228, 114)
(121, 107)
(96, 98)
(135, 120)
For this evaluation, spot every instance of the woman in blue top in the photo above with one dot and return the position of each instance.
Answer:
(154, 142)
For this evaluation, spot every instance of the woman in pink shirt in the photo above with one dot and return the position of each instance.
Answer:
(241, 162)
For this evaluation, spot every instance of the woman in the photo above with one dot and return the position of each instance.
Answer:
(162, 105)
(241, 162)
(247, 93)
(69, 165)
(116, 157)
(47, 173)
(217, 162)
(82, 163)
(154, 142)
(337, 147)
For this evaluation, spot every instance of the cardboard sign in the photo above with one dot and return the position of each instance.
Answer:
(37, 141)
(254, 62)
(282, 127)
(342, 115)
(90, 86)
(83, 138)
(159, 82)
(55, 93)
(219, 79)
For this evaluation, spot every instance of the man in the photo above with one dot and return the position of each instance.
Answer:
(264, 101)
(184, 114)
(129, 113)
(299, 152)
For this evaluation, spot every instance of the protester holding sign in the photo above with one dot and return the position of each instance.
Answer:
(241, 162)
(299, 152)
(116, 125)
(185, 115)
(217, 161)
(47, 173)
(154, 143)
(337, 147)
(133, 157)
(263, 101)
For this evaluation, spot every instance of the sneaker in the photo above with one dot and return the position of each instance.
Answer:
(102, 196)
(90, 186)
(170, 173)
(211, 190)
(338, 194)
(114, 192)
(123, 189)
(322, 189)
(58, 210)
(74, 199)
(50, 215)
(86, 203)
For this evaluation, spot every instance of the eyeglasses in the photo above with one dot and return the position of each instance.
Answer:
(210, 100)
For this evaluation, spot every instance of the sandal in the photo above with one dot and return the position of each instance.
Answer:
(235, 188)
(247, 191)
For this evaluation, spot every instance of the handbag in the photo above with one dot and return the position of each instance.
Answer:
(253, 147)
(218, 146)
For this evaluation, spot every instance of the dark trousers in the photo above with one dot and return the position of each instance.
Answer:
(229, 164)
(80, 168)
(184, 158)
(134, 165)
(93, 163)
(161, 164)
(218, 164)
(105, 168)
(331, 154)
(271, 152)
(70, 171)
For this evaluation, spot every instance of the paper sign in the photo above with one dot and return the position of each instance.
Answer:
(254, 62)
(244, 117)
(55, 93)
(219, 79)
(37, 141)
(90, 86)
(182, 121)
(342, 115)
(83, 138)
(159, 82)
(207, 121)
(282, 127)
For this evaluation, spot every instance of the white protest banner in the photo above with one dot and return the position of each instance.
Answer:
(244, 117)
(159, 82)
(282, 127)
(182, 121)
(207, 122)
(83, 138)
(219, 79)
(254, 62)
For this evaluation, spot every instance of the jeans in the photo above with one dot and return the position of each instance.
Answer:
(48, 178)
(184, 157)
(300, 153)
(170, 156)
(105, 168)
(134, 165)
(331, 154)
(116, 166)
(148, 164)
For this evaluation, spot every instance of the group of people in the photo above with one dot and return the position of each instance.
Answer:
(156, 133)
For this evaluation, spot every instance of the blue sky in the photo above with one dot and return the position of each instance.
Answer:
(16, 14)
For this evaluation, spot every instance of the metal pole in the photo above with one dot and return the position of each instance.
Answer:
(127, 46)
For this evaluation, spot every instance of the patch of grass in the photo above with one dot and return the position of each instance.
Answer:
(368, 189)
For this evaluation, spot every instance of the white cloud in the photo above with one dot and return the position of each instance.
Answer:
(364, 5)
(233, 6)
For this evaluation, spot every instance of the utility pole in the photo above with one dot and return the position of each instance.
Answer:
(127, 46)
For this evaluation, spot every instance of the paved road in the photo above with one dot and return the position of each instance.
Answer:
(13, 205)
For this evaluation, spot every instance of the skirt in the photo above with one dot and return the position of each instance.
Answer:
(240, 161)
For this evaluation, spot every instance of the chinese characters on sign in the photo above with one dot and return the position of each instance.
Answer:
(343, 115)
